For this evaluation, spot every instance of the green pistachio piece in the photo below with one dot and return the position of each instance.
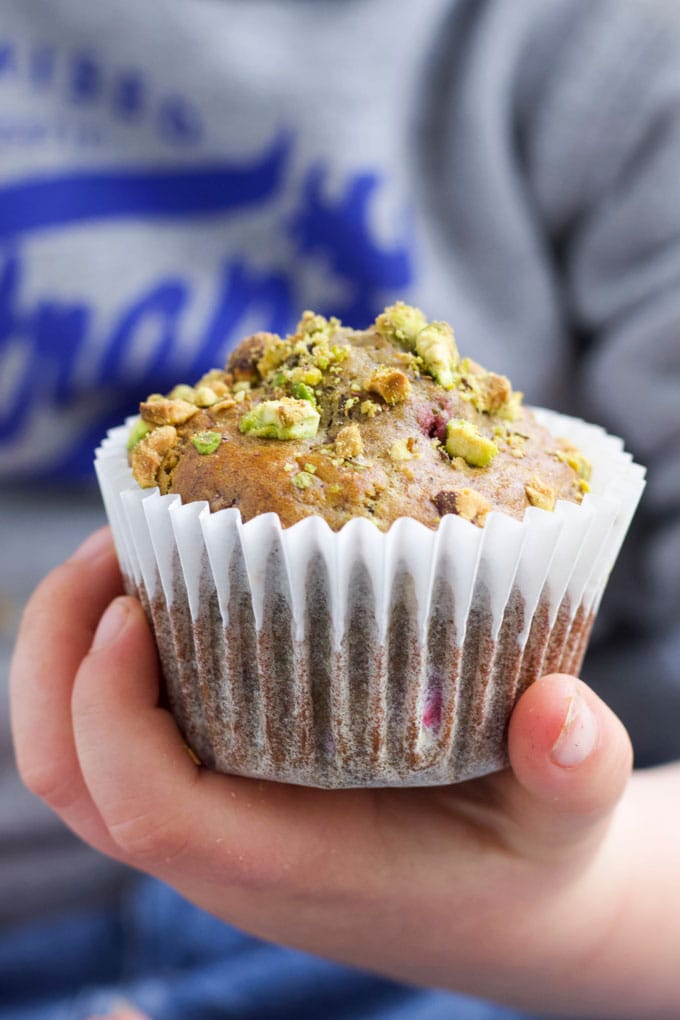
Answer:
(540, 494)
(464, 440)
(137, 432)
(302, 391)
(205, 396)
(572, 456)
(182, 392)
(311, 325)
(401, 323)
(206, 442)
(275, 353)
(340, 352)
(281, 419)
(304, 373)
(511, 409)
(303, 480)
(437, 347)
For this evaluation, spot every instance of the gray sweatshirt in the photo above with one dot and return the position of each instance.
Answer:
(175, 174)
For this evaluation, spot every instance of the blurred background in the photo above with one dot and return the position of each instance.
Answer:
(174, 176)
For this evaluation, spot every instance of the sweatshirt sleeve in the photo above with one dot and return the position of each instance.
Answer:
(603, 158)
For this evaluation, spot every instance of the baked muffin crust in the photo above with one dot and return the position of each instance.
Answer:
(380, 423)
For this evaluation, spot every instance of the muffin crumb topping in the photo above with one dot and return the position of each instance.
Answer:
(167, 412)
(540, 494)
(348, 442)
(384, 422)
(466, 503)
(147, 456)
(389, 383)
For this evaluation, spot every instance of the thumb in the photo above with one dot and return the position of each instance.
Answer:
(571, 758)
(122, 1011)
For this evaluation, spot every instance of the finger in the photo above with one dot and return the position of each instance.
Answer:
(163, 811)
(123, 1011)
(571, 758)
(55, 635)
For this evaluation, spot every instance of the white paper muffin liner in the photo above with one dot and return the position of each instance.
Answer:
(364, 658)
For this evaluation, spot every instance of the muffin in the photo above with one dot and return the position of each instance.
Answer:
(357, 549)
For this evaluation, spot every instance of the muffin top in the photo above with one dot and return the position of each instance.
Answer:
(381, 423)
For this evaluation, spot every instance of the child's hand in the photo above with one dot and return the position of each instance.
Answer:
(504, 887)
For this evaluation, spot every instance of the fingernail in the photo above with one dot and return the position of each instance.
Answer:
(110, 625)
(578, 735)
(94, 545)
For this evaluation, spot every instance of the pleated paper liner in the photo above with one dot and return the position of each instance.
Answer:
(363, 658)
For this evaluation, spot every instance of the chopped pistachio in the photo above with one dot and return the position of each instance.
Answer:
(401, 323)
(370, 408)
(240, 396)
(312, 324)
(399, 451)
(540, 494)
(303, 480)
(308, 374)
(287, 467)
(572, 456)
(322, 354)
(219, 387)
(340, 352)
(205, 396)
(511, 409)
(436, 345)
(515, 442)
(182, 392)
(153, 398)
(212, 378)
(206, 442)
(311, 468)
(349, 404)
(243, 386)
(334, 488)
(463, 439)
(281, 419)
(301, 391)
(274, 355)
(223, 405)
(137, 432)
(355, 387)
